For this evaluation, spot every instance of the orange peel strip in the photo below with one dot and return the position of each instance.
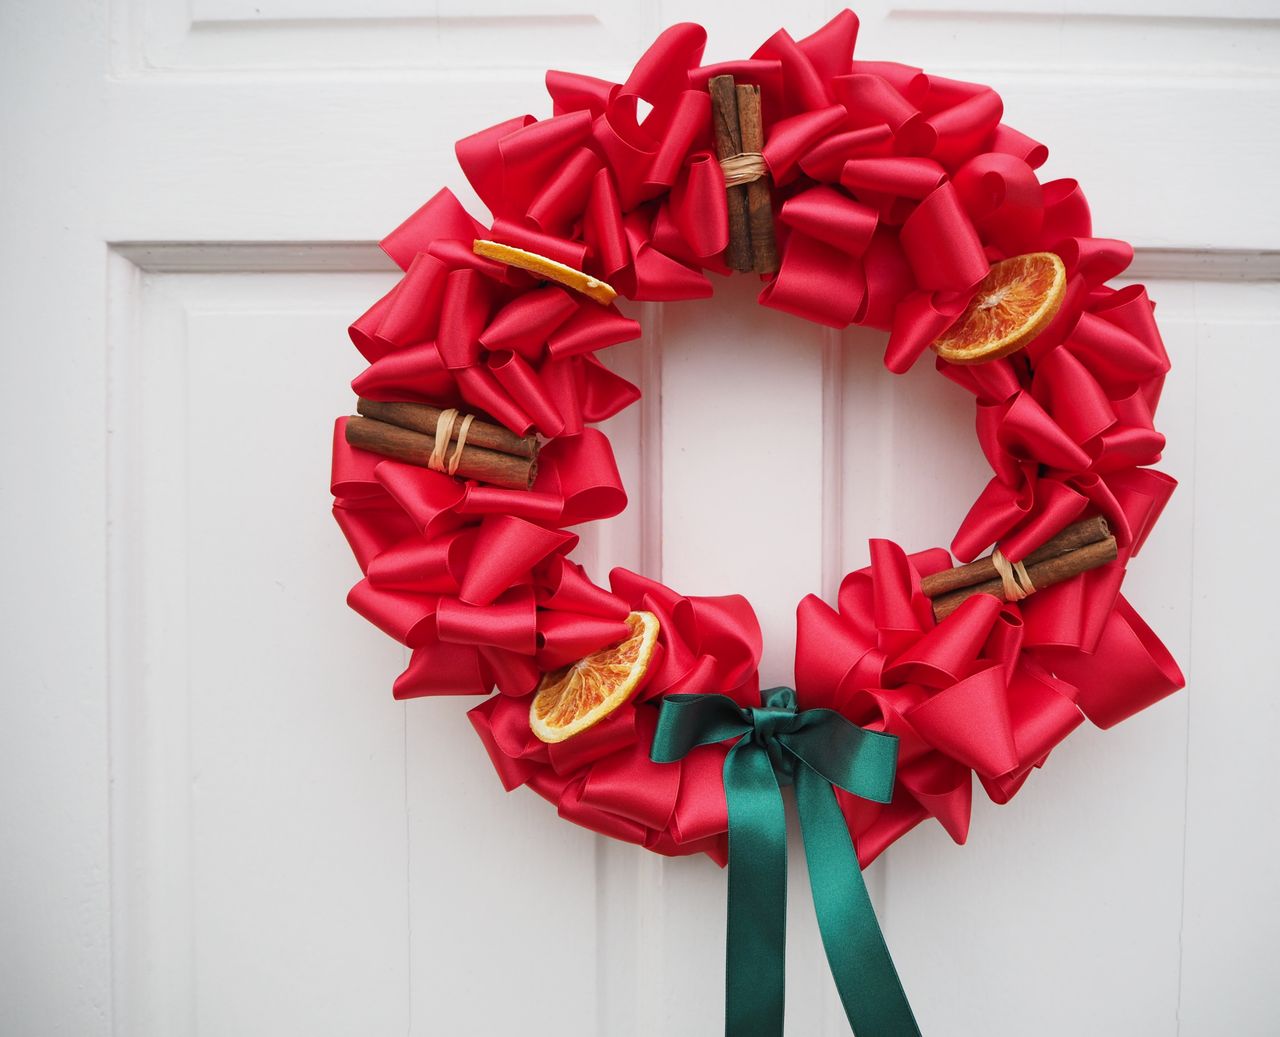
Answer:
(548, 269)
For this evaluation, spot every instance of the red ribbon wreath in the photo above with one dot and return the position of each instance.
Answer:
(896, 192)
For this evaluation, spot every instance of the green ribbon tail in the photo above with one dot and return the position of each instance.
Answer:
(873, 998)
(755, 945)
(819, 748)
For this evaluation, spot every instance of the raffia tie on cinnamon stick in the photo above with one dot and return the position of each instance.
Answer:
(743, 168)
(444, 432)
(1080, 547)
(420, 434)
(1013, 576)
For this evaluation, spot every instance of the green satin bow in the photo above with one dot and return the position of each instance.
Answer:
(814, 750)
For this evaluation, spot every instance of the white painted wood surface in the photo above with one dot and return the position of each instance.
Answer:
(215, 819)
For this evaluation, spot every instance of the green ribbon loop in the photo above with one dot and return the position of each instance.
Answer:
(814, 750)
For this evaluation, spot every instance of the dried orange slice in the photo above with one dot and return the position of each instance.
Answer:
(574, 698)
(1011, 306)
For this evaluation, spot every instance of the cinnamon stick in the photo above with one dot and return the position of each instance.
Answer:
(422, 417)
(1087, 531)
(1043, 574)
(764, 249)
(402, 444)
(724, 120)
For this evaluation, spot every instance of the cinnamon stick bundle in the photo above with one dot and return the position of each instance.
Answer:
(475, 462)
(764, 248)
(728, 134)
(422, 417)
(1080, 547)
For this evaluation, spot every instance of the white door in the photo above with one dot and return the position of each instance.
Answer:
(216, 821)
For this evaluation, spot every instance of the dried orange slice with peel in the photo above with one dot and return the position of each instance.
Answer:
(547, 269)
(579, 696)
(1011, 306)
